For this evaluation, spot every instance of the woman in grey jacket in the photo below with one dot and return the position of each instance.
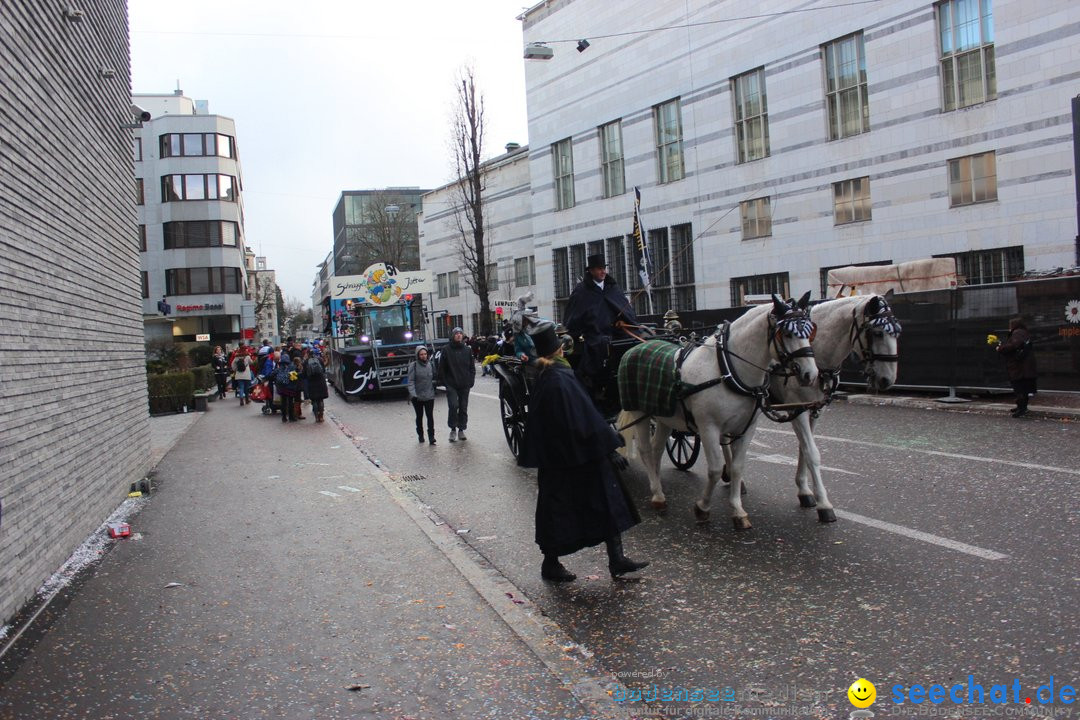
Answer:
(422, 393)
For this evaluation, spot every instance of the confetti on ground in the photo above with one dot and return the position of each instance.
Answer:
(173, 585)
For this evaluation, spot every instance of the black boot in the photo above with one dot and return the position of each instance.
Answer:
(619, 564)
(554, 570)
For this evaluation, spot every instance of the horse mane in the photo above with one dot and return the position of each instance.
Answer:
(833, 319)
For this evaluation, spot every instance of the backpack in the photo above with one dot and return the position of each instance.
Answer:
(315, 369)
(240, 364)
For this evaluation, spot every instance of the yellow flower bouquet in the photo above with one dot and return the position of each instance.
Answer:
(293, 375)
(992, 339)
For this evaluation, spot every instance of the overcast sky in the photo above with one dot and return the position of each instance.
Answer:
(331, 95)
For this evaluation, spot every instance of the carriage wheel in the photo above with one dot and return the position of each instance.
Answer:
(683, 449)
(513, 418)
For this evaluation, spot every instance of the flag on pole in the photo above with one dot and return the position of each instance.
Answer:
(641, 247)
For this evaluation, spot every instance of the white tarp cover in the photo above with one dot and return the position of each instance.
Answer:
(914, 276)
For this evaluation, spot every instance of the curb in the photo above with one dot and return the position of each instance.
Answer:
(973, 406)
(583, 677)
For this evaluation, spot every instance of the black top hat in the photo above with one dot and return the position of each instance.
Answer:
(595, 261)
(544, 338)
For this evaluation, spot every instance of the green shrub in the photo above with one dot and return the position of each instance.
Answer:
(200, 354)
(170, 392)
(204, 377)
(156, 367)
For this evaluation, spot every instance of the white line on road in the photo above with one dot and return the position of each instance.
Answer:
(920, 535)
(484, 395)
(350, 488)
(793, 462)
(328, 493)
(938, 453)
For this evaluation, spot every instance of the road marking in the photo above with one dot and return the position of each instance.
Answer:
(330, 477)
(347, 487)
(794, 462)
(938, 453)
(920, 535)
(484, 395)
(328, 493)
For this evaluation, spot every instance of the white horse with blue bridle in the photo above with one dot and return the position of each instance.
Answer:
(726, 380)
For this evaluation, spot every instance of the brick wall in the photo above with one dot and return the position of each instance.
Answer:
(74, 429)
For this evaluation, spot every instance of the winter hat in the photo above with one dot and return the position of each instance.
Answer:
(544, 338)
(455, 331)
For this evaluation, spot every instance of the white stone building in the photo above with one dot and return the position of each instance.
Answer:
(771, 148)
(264, 296)
(191, 222)
(511, 258)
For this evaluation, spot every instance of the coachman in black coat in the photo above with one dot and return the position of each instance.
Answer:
(581, 501)
(596, 305)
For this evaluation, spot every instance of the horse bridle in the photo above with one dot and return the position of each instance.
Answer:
(862, 343)
(795, 323)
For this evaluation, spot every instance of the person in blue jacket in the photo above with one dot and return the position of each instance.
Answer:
(267, 366)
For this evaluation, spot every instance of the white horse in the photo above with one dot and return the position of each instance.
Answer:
(863, 325)
(728, 379)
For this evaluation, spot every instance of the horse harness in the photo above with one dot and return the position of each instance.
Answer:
(796, 323)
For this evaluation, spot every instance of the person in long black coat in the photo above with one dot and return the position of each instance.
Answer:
(581, 502)
(1020, 364)
(596, 304)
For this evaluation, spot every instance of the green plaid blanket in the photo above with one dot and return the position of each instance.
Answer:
(648, 381)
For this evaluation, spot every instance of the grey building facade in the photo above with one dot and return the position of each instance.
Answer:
(74, 420)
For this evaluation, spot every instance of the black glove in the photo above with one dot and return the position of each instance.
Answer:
(618, 461)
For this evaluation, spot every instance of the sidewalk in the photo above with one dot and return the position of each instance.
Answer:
(1051, 405)
(277, 573)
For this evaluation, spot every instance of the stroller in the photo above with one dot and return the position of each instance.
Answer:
(260, 392)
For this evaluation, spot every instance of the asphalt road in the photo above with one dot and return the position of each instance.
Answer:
(956, 554)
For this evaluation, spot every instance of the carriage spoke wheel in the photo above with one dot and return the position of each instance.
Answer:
(683, 449)
(513, 418)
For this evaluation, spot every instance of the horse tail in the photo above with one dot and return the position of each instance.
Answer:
(629, 433)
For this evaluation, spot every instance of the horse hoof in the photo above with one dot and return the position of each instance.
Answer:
(702, 516)
(807, 501)
(826, 515)
(741, 523)
(659, 506)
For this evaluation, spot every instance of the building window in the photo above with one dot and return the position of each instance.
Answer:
(145, 284)
(142, 238)
(682, 267)
(136, 146)
(756, 218)
(845, 87)
(851, 201)
(493, 276)
(972, 179)
(562, 154)
(668, 120)
(444, 286)
(979, 267)
(202, 281)
(611, 159)
(616, 258)
(776, 283)
(560, 271)
(751, 115)
(577, 263)
(175, 188)
(200, 233)
(197, 145)
(452, 285)
(966, 31)
(525, 271)
(140, 196)
(660, 253)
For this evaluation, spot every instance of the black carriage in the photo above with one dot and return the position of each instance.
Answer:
(517, 377)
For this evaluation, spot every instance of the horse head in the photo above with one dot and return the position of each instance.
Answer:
(876, 342)
(791, 331)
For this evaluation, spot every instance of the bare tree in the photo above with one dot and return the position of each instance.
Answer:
(295, 316)
(389, 233)
(468, 145)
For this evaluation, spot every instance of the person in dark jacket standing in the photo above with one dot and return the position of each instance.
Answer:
(287, 381)
(1020, 364)
(597, 306)
(421, 380)
(220, 363)
(267, 366)
(457, 372)
(581, 502)
(315, 375)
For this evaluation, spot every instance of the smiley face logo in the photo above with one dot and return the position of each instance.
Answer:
(862, 693)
